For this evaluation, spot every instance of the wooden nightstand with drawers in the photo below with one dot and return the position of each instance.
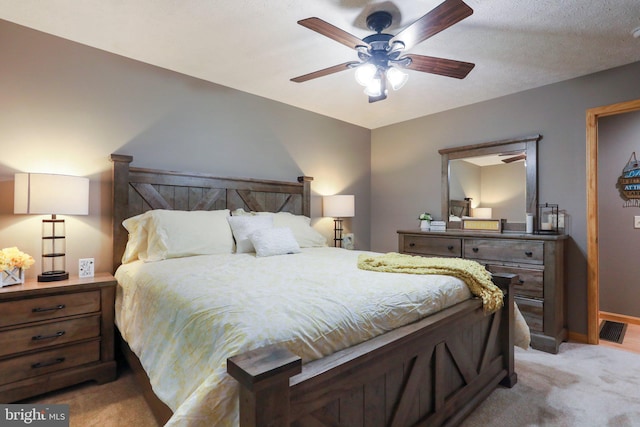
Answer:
(56, 334)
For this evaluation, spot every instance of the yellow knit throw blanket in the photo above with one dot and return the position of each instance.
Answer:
(477, 278)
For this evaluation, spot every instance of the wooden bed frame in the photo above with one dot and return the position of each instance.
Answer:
(430, 373)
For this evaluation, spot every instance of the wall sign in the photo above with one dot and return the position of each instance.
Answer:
(629, 183)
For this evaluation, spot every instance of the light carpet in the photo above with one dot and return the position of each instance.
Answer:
(582, 385)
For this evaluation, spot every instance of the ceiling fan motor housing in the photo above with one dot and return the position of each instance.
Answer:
(378, 21)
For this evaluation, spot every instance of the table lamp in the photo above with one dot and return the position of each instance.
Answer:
(338, 207)
(49, 194)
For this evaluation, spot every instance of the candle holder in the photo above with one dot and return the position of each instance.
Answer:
(547, 219)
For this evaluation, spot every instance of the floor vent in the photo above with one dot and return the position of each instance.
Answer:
(612, 331)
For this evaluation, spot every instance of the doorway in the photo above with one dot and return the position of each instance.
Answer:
(593, 284)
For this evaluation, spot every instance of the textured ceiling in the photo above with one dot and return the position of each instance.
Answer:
(256, 46)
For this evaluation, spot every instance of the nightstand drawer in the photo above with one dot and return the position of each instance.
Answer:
(434, 246)
(32, 365)
(531, 279)
(41, 336)
(515, 251)
(49, 307)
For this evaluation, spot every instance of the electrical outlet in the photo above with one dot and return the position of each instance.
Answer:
(636, 221)
(348, 241)
(85, 267)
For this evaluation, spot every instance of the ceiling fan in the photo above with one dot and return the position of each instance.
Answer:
(382, 56)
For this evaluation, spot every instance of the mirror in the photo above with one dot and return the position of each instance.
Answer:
(499, 175)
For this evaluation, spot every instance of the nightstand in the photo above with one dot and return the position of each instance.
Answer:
(56, 334)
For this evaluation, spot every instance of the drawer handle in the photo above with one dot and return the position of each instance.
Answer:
(411, 245)
(40, 310)
(49, 363)
(528, 253)
(450, 247)
(46, 337)
(475, 249)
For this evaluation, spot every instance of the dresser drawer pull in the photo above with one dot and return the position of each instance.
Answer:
(450, 247)
(51, 362)
(475, 249)
(40, 310)
(46, 337)
(411, 245)
(528, 253)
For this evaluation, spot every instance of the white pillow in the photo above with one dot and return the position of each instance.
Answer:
(137, 241)
(300, 225)
(243, 226)
(174, 234)
(274, 241)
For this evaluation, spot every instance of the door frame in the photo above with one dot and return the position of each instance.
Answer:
(593, 251)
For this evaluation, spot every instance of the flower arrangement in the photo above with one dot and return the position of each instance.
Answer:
(11, 258)
(425, 216)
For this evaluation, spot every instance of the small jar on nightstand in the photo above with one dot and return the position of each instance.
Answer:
(56, 334)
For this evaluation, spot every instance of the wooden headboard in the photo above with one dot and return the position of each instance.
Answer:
(137, 190)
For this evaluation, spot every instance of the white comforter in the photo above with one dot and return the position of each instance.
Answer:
(184, 317)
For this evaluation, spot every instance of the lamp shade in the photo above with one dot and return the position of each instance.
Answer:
(39, 193)
(482, 213)
(339, 206)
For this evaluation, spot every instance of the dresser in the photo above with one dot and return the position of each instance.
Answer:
(56, 334)
(538, 260)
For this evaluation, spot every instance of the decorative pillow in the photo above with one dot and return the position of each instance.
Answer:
(243, 226)
(174, 234)
(274, 241)
(300, 225)
(137, 241)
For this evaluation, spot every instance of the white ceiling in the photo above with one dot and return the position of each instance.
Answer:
(256, 46)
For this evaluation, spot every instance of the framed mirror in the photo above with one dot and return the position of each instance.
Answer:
(496, 180)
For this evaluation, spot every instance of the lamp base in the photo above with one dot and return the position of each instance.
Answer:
(53, 276)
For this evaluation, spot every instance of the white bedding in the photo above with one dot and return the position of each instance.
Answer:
(184, 317)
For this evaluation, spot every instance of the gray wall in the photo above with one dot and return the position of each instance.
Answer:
(406, 165)
(619, 241)
(65, 107)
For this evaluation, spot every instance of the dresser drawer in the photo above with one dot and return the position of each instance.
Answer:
(44, 362)
(42, 336)
(533, 312)
(49, 307)
(531, 280)
(434, 246)
(515, 251)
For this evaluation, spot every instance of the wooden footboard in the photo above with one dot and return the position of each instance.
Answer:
(430, 373)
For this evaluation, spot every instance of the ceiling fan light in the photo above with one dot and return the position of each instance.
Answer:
(374, 88)
(396, 78)
(365, 74)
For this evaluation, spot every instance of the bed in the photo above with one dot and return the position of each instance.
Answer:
(427, 370)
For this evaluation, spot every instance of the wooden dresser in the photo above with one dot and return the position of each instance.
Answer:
(538, 260)
(55, 334)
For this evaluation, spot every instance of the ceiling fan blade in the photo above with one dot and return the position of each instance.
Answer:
(440, 18)
(333, 32)
(324, 72)
(441, 66)
(515, 158)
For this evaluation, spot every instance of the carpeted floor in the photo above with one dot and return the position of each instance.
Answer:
(583, 385)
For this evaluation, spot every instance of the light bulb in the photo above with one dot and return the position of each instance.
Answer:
(374, 88)
(365, 74)
(396, 78)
